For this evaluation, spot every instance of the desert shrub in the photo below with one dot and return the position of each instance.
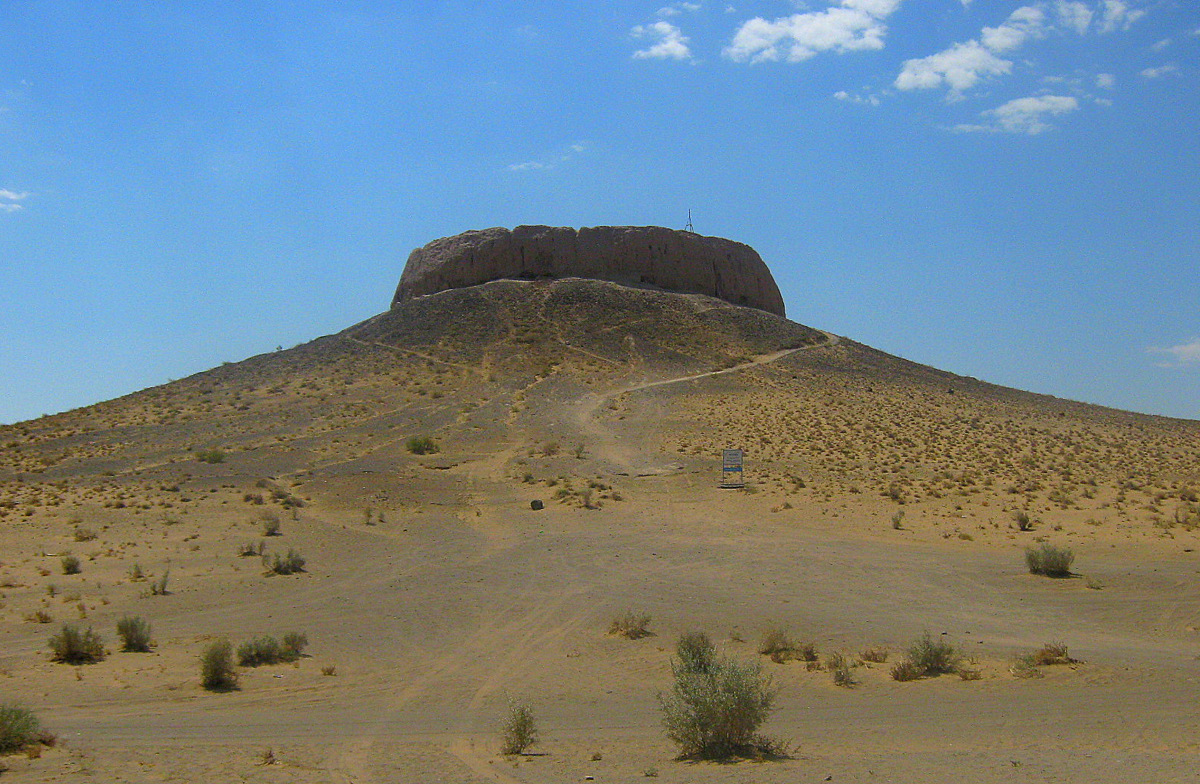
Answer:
(1023, 667)
(210, 456)
(268, 650)
(905, 670)
(631, 626)
(933, 657)
(970, 674)
(136, 574)
(270, 524)
(259, 651)
(1051, 653)
(777, 644)
(250, 549)
(518, 731)
(421, 445)
(159, 586)
(288, 564)
(1023, 521)
(134, 634)
(19, 728)
(696, 652)
(84, 534)
(1049, 560)
(716, 714)
(217, 672)
(840, 667)
(70, 564)
(874, 655)
(294, 644)
(71, 646)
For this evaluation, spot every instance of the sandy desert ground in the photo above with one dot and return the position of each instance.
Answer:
(433, 596)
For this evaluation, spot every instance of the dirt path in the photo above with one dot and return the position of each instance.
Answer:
(624, 457)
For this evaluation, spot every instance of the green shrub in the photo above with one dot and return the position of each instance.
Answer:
(696, 652)
(159, 586)
(134, 634)
(268, 650)
(270, 524)
(421, 445)
(780, 647)
(294, 644)
(288, 564)
(519, 730)
(84, 534)
(1049, 560)
(905, 670)
(716, 714)
(259, 651)
(876, 655)
(217, 672)
(210, 456)
(840, 667)
(1023, 521)
(70, 564)
(631, 626)
(933, 657)
(71, 646)
(19, 728)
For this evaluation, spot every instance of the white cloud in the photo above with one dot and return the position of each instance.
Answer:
(1106, 80)
(1160, 71)
(1160, 45)
(1027, 115)
(1074, 15)
(528, 166)
(960, 67)
(850, 26)
(1117, 15)
(870, 100)
(1184, 354)
(671, 43)
(10, 200)
(1022, 24)
(550, 161)
(675, 9)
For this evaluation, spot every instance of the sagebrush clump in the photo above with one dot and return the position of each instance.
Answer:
(134, 634)
(217, 672)
(268, 650)
(927, 656)
(421, 445)
(72, 646)
(519, 730)
(716, 714)
(631, 626)
(19, 728)
(696, 652)
(291, 563)
(1049, 560)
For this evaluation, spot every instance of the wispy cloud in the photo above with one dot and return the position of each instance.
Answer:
(10, 201)
(1024, 115)
(1160, 71)
(1106, 80)
(870, 100)
(675, 9)
(1183, 354)
(850, 26)
(550, 161)
(1117, 15)
(669, 42)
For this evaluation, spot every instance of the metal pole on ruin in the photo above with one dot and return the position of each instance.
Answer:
(732, 473)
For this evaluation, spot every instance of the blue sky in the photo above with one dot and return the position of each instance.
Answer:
(1008, 190)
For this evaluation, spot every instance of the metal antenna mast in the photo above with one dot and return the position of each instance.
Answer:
(688, 227)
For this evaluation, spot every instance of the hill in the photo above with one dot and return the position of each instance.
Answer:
(400, 458)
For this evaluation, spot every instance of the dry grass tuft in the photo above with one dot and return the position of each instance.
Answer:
(631, 626)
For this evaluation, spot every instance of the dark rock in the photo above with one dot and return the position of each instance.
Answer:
(633, 255)
(536, 505)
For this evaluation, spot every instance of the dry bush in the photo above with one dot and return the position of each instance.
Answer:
(696, 652)
(905, 670)
(291, 563)
(70, 564)
(159, 586)
(519, 730)
(927, 656)
(1051, 653)
(210, 456)
(1023, 521)
(631, 626)
(217, 672)
(19, 728)
(780, 647)
(421, 445)
(716, 714)
(1049, 560)
(134, 634)
(874, 655)
(71, 646)
(84, 534)
(270, 524)
(840, 667)
(268, 650)
(1023, 667)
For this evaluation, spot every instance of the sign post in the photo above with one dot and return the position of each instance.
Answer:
(732, 475)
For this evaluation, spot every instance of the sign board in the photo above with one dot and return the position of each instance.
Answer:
(732, 473)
